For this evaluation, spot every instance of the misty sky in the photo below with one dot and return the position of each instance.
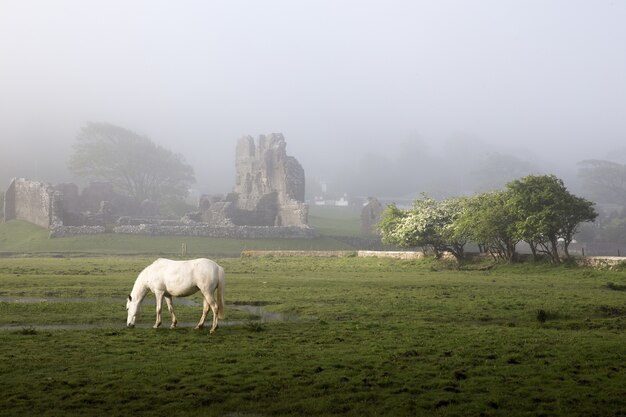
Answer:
(340, 79)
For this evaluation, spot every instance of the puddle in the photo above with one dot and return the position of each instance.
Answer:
(122, 301)
(256, 309)
(264, 315)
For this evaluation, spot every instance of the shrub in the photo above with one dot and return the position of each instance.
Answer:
(545, 315)
(615, 287)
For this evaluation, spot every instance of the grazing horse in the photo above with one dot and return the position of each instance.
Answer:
(168, 278)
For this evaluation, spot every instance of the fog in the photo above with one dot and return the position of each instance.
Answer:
(373, 97)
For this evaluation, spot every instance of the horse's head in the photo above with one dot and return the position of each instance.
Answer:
(132, 306)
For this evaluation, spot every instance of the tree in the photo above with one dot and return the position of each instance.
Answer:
(603, 181)
(490, 221)
(547, 212)
(133, 164)
(429, 224)
(389, 224)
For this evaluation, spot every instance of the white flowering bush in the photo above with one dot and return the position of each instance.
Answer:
(429, 224)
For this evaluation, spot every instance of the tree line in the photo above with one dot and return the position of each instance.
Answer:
(536, 209)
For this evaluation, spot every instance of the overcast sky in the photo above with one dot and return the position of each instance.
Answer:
(338, 78)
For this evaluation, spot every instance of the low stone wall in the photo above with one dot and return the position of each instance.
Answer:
(67, 231)
(335, 253)
(598, 262)
(233, 232)
(601, 262)
(390, 254)
(307, 253)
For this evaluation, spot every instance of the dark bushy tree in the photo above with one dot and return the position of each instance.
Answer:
(490, 222)
(547, 212)
(132, 163)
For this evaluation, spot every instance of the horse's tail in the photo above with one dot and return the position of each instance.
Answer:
(221, 284)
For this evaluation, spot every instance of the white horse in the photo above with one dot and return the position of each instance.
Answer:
(167, 278)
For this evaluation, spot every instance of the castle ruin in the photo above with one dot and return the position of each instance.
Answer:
(267, 202)
(269, 188)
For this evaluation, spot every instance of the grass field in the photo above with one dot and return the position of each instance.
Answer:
(374, 337)
(17, 237)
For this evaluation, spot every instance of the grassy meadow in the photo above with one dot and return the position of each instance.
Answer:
(368, 337)
(360, 336)
(20, 237)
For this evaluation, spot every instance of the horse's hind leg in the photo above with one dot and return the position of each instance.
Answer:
(215, 313)
(209, 302)
(213, 304)
(170, 308)
(205, 311)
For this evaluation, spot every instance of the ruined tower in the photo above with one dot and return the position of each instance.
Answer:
(269, 187)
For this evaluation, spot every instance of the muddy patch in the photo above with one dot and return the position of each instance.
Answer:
(256, 310)
(263, 315)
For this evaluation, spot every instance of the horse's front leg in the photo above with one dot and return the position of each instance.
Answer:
(159, 303)
(170, 308)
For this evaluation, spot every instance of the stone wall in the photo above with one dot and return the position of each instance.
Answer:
(406, 255)
(67, 231)
(32, 201)
(97, 204)
(234, 232)
(601, 262)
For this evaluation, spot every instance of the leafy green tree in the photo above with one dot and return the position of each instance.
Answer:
(547, 212)
(489, 220)
(453, 236)
(133, 164)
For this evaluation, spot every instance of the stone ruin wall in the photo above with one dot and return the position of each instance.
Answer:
(269, 185)
(33, 201)
(269, 188)
(370, 216)
(65, 211)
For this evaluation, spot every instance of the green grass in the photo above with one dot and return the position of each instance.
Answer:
(18, 236)
(335, 221)
(377, 337)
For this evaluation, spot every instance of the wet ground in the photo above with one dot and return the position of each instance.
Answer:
(257, 310)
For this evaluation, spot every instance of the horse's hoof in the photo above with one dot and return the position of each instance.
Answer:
(212, 331)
